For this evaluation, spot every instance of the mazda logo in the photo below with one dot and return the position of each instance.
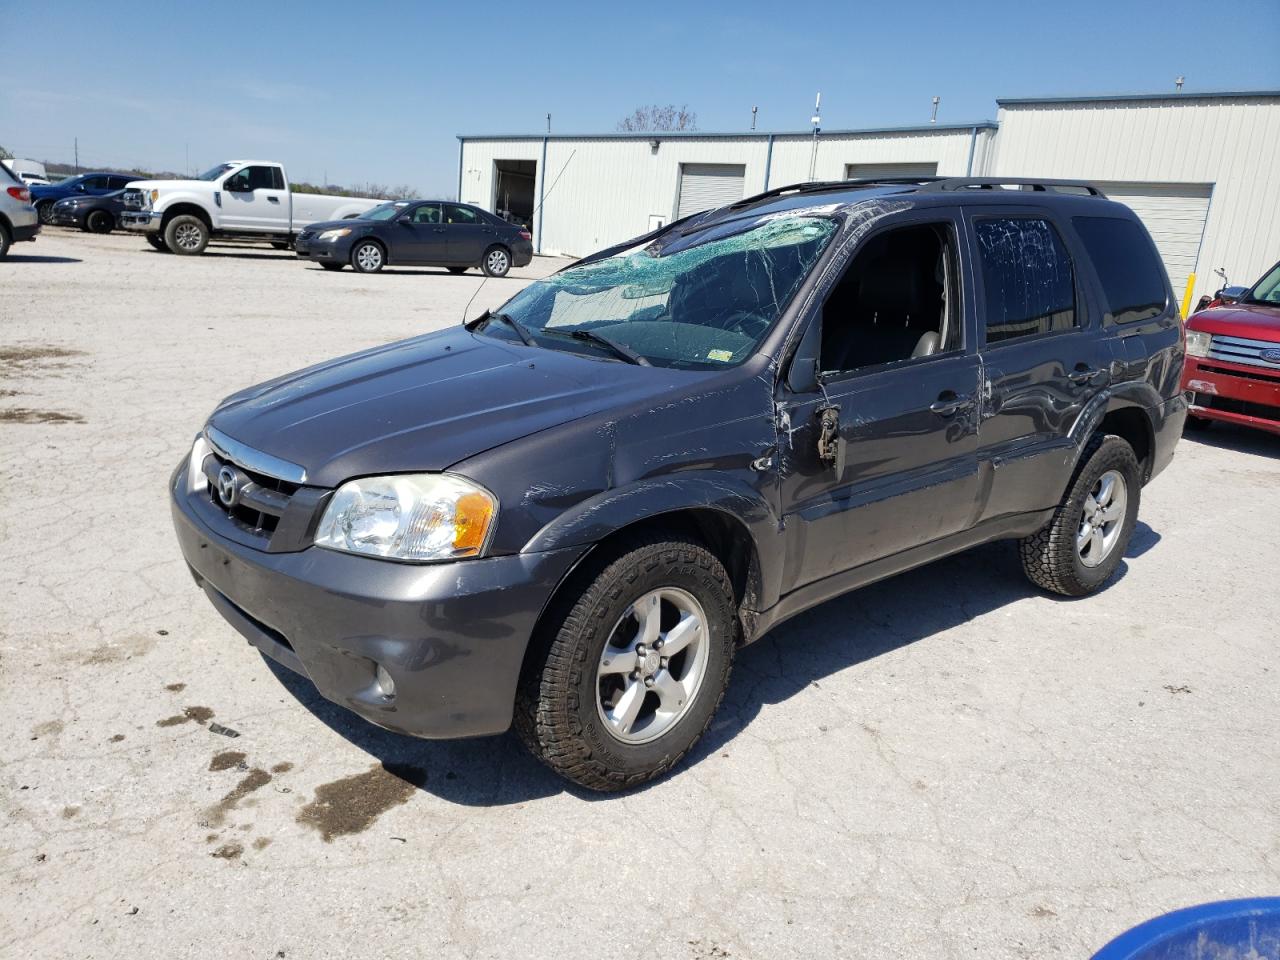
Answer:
(228, 487)
(1270, 356)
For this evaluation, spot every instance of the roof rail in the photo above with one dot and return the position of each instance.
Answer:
(819, 186)
(993, 183)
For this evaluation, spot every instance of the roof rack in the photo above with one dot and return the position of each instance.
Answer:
(994, 183)
(819, 186)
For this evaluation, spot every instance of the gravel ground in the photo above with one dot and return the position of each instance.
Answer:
(947, 764)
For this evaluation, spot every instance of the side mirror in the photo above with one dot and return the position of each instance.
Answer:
(1232, 294)
(80, 188)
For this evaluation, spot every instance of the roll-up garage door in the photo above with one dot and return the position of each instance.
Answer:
(870, 171)
(704, 186)
(1174, 215)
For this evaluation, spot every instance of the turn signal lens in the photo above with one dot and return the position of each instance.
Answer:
(471, 516)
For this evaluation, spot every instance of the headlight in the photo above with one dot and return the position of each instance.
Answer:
(1198, 343)
(425, 516)
(332, 235)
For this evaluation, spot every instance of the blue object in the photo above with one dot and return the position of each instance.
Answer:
(1228, 930)
(85, 185)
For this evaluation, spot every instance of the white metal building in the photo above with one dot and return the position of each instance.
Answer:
(1201, 170)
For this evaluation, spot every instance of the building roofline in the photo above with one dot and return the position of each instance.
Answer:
(1103, 98)
(731, 135)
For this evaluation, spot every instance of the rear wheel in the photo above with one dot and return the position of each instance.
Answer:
(157, 241)
(6, 241)
(637, 663)
(1081, 546)
(186, 235)
(456, 270)
(367, 256)
(45, 210)
(99, 221)
(496, 262)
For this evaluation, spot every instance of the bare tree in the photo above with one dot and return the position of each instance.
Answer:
(655, 118)
(5, 154)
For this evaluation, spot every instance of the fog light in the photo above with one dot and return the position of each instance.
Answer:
(385, 683)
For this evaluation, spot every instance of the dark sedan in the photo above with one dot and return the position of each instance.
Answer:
(95, 214)
(85, 185)
(418, 233)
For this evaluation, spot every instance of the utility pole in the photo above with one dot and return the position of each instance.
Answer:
(816, 120)
(77, 142)
(186, 159)
(548, 123)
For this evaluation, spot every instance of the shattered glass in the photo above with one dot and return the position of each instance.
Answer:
(696, 300)
(1026, 276)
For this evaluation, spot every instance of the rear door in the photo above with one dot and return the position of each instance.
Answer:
(254, 198)
(418, 236)
(905, 471)
(469, 234)
(1043, 355)
(96, 185)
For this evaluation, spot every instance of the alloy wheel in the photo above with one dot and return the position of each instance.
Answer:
(1102, 521)
(369, 257)
(188, 236)
(652, 665)
(497, 261)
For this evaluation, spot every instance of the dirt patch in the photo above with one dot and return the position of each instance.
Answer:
(50, 728)
(255, 779)
(352, 804)
(9, 393)
(283, 767)
(39, 353)
(262, 843)
(28, 415)
(175, 687)
(109, 653)
(70, 812)
(228, 851)
(226, 760)
(199, 715)
(117, 737)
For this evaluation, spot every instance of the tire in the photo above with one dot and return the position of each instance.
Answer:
(6, 240)
(99, 221)
(368, 256)
(186, 235)
(457, 270)
(44, 210)
(333, 266)
(1053, 557)
(571, 679)
(496, 261)
(156, 240)
(280, 244)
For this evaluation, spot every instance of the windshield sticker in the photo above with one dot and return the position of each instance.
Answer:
(724, 356)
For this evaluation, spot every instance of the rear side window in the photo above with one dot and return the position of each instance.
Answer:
(1027, 277)
(458, 214)
(1131, 275)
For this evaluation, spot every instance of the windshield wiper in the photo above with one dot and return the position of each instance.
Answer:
(512, 322)
(618, 349)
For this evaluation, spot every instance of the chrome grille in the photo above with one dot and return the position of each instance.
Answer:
(1240, 350)
(133, 199)
(261, 499)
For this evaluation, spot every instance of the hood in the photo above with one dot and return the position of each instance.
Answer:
(1252, 321)
(350, 222)
(425, 404)
(169, 184)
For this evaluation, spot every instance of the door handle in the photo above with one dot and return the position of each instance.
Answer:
(273, 199)
(949, 402)
(1083, 373)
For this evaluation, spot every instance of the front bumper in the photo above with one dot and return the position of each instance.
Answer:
(1233, 392)
(66, 218)
(451, 635)
(142, 221)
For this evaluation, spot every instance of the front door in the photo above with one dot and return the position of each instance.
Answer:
(879, 454)
(420, 236)
(469, 234)
(1043, 357)
(254, 198)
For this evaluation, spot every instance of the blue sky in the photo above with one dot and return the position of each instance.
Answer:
(379, 91)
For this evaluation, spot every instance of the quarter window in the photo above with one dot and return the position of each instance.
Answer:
(1027, 278)
(1132, 278)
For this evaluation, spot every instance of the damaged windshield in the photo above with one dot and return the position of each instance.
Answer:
(697, 302)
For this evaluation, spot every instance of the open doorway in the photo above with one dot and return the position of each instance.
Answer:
(897, 301)
(513, 183)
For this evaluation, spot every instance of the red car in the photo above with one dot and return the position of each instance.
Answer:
(1233, 358)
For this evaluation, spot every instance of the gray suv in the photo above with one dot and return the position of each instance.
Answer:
(18, 218)
(568, 514)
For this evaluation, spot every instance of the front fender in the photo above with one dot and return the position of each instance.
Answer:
(612, 510)
(168, 202)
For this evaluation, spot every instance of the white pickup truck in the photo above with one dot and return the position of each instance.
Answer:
(237, 200)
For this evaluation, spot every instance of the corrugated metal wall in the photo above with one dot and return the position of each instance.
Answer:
(602, 190)
(1232, 143)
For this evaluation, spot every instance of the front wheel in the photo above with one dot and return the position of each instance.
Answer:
(496, 262)
(99, 221)
(367, 257)
(1081, 546)
(45, 211)
(637, 662)
(186, 235)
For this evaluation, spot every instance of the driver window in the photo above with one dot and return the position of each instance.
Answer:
(898, 300)
(427, 213)
(250, 178)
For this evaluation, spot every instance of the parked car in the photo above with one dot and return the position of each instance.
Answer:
(236, 200)
(85, 185)
(1233, 358)
(28, 171)
(95, 214)
(31, 180)
(571, 511)
(18, 219)
(429, 233)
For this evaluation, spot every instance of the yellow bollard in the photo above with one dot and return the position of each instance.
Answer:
(1186, 297)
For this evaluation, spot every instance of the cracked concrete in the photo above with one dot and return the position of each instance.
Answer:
(945, 764)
